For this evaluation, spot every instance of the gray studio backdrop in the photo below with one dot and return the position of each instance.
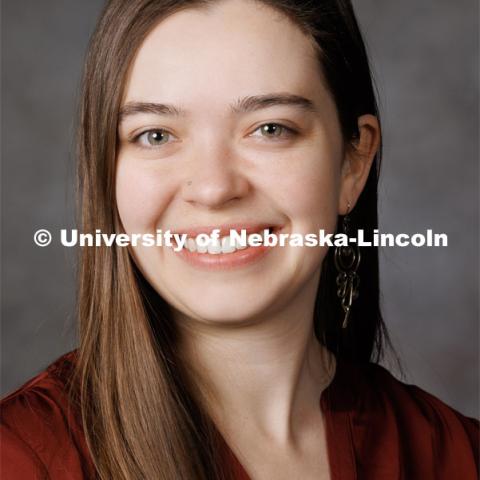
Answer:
(424, 54)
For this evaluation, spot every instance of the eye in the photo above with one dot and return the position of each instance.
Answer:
(153, 138)
(273, 131)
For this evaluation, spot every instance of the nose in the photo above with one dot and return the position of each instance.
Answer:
(214, 177)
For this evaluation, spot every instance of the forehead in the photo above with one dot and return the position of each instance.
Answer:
(232, 48)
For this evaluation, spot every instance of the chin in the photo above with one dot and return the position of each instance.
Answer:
(229, 308)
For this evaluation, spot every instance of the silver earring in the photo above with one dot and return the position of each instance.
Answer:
(347, 260)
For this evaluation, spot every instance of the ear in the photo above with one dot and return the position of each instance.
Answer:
(357, 162)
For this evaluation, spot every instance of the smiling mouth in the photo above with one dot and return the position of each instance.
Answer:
(226, 244)
(231, 239)
(226, 253)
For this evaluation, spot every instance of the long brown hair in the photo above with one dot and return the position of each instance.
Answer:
(141, 417)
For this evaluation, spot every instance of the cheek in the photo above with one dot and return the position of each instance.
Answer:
(142, 196)
(308, 195)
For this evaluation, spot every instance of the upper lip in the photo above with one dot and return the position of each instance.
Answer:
(224, 229)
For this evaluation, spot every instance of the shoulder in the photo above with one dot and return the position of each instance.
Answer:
(413, 404)
(41, 429)
(430, 439)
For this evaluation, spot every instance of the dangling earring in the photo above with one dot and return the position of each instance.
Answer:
(347, 260)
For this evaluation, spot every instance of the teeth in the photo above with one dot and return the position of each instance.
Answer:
(191, 245)
(238, 244)
(215, 247)
(228, 245)
(201, 248)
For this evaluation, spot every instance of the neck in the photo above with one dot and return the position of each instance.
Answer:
(268, 374)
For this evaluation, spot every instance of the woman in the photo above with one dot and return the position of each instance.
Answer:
(236, 362)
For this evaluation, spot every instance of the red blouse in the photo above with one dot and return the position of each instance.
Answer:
(377, 429)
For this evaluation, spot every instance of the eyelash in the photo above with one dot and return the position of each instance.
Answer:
(288, 132)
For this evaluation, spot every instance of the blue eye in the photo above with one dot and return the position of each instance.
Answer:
(153, 138)
(273, 130)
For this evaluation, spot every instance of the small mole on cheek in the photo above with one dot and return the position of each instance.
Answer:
(189, 182)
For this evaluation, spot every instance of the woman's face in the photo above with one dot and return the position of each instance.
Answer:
(227, 122)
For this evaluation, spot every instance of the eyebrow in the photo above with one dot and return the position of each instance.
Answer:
(133, 108)
(257, 102)
(243, 105)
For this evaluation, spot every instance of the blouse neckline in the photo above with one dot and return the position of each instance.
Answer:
(336, 403)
